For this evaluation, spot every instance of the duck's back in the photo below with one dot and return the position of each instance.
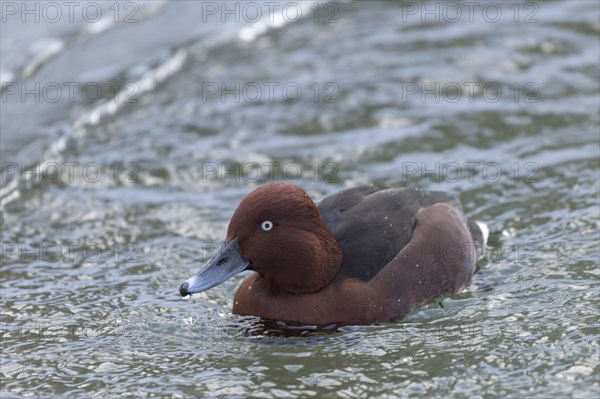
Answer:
(372, 224)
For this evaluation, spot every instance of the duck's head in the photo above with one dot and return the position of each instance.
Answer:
(276, 231)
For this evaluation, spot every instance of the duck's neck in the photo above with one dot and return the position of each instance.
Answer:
(315, 264)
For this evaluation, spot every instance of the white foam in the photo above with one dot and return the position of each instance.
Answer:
(277, 18)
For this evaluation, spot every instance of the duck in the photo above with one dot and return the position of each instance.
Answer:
(364, 255)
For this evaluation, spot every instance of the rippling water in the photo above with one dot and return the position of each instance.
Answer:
(130, 133)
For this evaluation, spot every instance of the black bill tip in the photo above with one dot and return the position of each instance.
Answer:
(183, 289)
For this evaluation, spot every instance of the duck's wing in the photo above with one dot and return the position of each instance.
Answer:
(372, 224)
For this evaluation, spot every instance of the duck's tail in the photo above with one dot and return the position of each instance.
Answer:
(485, 231)
(480, 233)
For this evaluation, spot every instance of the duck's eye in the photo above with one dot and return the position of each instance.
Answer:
(267, 225)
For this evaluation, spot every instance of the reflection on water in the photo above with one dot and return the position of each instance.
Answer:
(131, 131)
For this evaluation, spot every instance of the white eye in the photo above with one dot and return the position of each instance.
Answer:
(266, 225)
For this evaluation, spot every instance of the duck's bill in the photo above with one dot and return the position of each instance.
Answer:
(226, 263)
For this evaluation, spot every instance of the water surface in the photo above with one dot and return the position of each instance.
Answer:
(194, 110)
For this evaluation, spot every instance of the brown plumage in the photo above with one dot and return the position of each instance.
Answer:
(363, 255)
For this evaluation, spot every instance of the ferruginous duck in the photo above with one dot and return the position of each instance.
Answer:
(364, 255)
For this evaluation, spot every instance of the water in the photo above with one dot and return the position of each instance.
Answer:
(117, 191)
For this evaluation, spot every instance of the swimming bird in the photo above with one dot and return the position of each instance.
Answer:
(363, 255)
